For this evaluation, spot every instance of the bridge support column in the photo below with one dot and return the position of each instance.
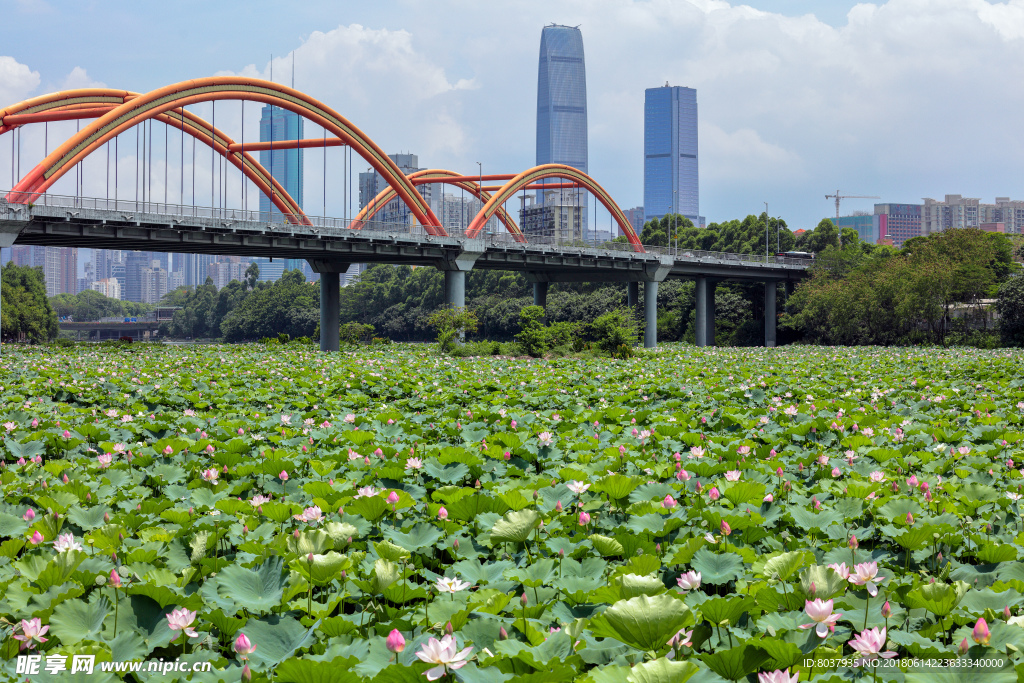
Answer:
(8, 233)
(632, 295)
(769, 313)
(701, 296)
(650, 314)
(455, 288)
(330, 301)
(540, 294)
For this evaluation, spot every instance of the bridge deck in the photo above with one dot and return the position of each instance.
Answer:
(108, 224)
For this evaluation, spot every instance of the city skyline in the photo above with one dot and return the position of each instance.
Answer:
(812, 119)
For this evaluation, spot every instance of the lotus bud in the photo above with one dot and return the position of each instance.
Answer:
(476, 484)
(246, 674)
(88, 497)
(561, 553)
(964, 646)
(65, 478)
(726, 529)
(245, 529)
(455, 544)
(939, 558)
(657, 548)
(502, 633)
(395, 642)
(508, 455)
(981, 634)
(296, 534)
(309, 558)
(558, 506)
(191, 511)
(120, 537)
(392, 498)
(449, 629)
(910, 519)
(853, 543)
(442, 514)
(713, 494)
(699, 487)
(1006, 612)
(115, 579)
(29, 515)
(536, 495)
(523, 600)
(113, 556)
(584, 518)
(106, 517)
(886, 610)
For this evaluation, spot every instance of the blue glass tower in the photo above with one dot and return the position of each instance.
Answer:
(670, 153)
(285, 165)
(562, 108)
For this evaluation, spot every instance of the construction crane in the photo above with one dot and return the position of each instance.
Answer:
(838, 197)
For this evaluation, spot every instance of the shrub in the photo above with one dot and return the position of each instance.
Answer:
(533, 337)
(284, 337)
(614, 330)
(452, 323)
(356, 333)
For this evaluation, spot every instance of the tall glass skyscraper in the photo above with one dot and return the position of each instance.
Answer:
(562, 109)
(285, 165)
(670, 153)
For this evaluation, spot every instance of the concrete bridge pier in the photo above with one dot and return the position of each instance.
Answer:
(330, 302)
(705, 296)
(632, 295)
(650, 314)
(769, 313)
(540, 294)
(455, 288)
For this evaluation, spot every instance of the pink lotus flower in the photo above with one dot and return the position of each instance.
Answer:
(869, 643)
(392, 498)
(683, 475)
(29, 515)
(743, 450)
(690, 581)
(168, 450)
(211, 474)
(981, 634)
(181, 619)
(778, 676)
(36, 539)
(866, 574)
(697, 452)
(65, 543)
(366, 492)
(713, 494)
(584, 518)
(732, 475)
(395, 641)
(104, 459)
(413, 464)
(512, 424)
(283, 476)
(769, 498)
(841, 570)
(442, 514)
(726, 529)
(836, 472)
(115, 578)
(669, 502)
(243, 646)
(820, 612)
(545, 438)
(577, 487)
(877, 476)
(31, 630)
(443, 654)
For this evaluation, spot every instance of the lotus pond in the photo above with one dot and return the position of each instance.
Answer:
(391, 515)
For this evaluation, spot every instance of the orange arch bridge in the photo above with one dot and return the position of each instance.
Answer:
(95, 102)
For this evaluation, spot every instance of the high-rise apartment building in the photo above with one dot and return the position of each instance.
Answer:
(153, 284)
(671, 179)
(562, 112)
(636, 218)
(284, 164)
(134, 263)
(109, 287)
(898, 222)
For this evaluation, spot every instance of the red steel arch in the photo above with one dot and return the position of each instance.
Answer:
(94, 102)
(173, 97)
(436, 175)
(536, 173)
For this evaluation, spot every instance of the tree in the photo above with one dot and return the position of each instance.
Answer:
(451, 323)
(252, 275)
(24, 309)
(533, 335)
(1010, 307)
(269, 310)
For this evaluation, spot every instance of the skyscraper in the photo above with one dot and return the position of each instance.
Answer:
(285, 165)
(562, 111)
(670, 153)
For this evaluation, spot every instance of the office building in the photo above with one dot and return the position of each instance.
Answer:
(284, 164)
(270, 271)
(866, 225)
(671, 179)
(153, 284)
(134, 263)
(562, 113)
(555, 218)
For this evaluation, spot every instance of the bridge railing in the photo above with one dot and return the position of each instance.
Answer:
(233, 218)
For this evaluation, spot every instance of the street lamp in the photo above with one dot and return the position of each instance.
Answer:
(766, 231)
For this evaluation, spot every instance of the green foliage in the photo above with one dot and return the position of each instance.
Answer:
(90, 305)
(452, 323)
(1010, 307)
(615, 333)
(356, 333)
(24, 309)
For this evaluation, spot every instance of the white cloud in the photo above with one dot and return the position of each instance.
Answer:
(78, 78)
(17, 81)
(743, 155)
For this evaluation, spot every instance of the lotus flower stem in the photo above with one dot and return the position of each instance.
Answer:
(115, 611)
(867, 603)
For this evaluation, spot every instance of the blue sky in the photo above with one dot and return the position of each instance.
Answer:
(903, 99)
